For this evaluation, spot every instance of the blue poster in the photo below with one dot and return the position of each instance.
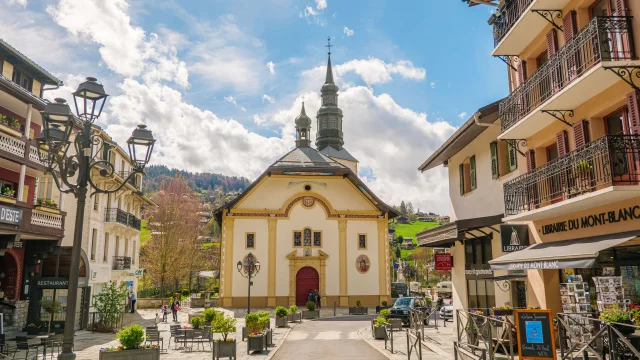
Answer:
(534, 332)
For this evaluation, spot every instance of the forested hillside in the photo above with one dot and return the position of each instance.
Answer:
(197, 181)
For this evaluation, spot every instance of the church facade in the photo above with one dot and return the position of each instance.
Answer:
(310, 222)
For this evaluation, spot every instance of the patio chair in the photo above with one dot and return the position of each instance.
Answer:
(198, 337)
(177, 336)
(54, 342)
(153, 336)
(23, 345)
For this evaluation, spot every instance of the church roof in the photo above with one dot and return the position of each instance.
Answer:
(339, 154)
(306, 157)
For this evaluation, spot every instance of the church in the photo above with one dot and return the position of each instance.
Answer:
(311, 223)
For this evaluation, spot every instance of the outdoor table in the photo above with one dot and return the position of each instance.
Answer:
(43, 339)
(184, 341)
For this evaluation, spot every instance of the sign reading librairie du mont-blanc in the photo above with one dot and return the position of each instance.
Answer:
(514, 237)
(10, 215)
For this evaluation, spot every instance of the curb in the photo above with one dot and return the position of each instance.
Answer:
(370, 342)
(277, 347)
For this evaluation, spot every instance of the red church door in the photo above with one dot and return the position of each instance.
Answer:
(306, 280)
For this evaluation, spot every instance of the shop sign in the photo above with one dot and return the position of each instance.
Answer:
(137, 273)
(593, 220)
(583, 263)
(534, 330)
(443, 261)
(10, 215)
(58, 283)
(514, 237)
(481, 271)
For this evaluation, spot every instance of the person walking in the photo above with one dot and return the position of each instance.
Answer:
(318, 300)
(133, 302)
(440, 302)
(311, 296)
(175, 306)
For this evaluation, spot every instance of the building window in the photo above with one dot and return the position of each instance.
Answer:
(307, 238)
(105, 257)
(133, 253)
(317, 238)
(503, 158)
(250, 241)
(467, 172)
(96, 202)
(94, 239)
(362, 241)
(8, 188)
(481, 294)
(297, 238)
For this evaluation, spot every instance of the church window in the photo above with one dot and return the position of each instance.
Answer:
(297, 238)
(307, 237)
(250, 241)
(362, 241)
(317, 238)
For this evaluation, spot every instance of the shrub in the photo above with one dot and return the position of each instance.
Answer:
(311, 306)
(614, 315)
(358, 303)
(131, 337)
(293, 309)
(381, 321)
(385, 303)
(252, 322)
(264, 321)
(108, 304)
(385, 313)
(281, 311)
(224, 325)
(197, 322)
(209, 315)
(186, 292)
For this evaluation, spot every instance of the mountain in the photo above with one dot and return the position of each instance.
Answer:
(197, 181)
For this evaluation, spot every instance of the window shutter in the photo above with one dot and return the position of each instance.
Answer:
(569, 26)
(522, 72)
(513, 157)
(634, 115)
(461, 170)
(531, 160)
(472, 172)
(105, 151)
(580, 133)
(495, 172)
(561, 142)
(621, 8)
(552, 43)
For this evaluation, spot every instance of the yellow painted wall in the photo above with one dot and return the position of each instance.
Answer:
(368, 283)
(35, 89)
(7, 70)
(275, 191)
(260, 228)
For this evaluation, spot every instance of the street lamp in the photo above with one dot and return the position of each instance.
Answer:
(72, 173)
(250, 268)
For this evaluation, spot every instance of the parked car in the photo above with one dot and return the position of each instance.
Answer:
(446, 312)
(402, 307)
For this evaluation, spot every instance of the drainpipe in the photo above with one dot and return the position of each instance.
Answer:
(476, 119)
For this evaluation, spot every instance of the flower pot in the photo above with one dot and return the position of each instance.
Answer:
(7, 199)
(224, 349)
(379, 333)
(624, 330)
(256, 343)
(311, 314)
(378, 308)
(136, 354)
(10, 130)
(293, 317)
(502, 312)
(281, 322)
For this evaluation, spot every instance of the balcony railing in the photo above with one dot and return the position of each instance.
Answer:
(603, 39)
(609, 160)
(12, 145)
(133, 181)
(121, 263)
(122, 217)
(509, 15)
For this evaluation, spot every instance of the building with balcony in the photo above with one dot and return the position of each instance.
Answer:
(574, 112)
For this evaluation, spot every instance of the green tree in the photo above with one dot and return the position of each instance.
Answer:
(109, 304)
(399, 239)
(403, 208)
(398, 252)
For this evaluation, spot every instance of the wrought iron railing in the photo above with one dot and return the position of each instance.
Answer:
(122, 217)
(603, 39)
(509, 15)
(609, 160)
(490, 336)
(133, 181)
(121, 263)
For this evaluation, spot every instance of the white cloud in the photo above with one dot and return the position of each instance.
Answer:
(230, 99)
(272, 68)
(348, 31)
(433, 85)
(314, 15)
(258, 120)
(373, 71)
(268, 98)
(23, 3)
(320, 4)
(462, 115)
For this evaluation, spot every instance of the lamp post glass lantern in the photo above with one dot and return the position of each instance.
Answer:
(248, 268)
(73, 173)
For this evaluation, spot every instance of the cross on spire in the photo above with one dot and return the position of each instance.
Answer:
(329, 44)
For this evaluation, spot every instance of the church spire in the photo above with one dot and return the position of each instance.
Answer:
(303, 128)
(329, 115)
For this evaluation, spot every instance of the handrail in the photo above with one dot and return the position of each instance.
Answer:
(509, 15)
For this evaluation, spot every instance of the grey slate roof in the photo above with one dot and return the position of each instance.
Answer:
(340, 154)
(45, 78)
(306, 157)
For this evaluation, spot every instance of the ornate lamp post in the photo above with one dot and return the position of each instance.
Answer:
(73, 173)
(250, 268)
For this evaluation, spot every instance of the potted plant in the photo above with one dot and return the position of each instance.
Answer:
(265, 315)
(7, 195)
(130, 339)
(197, 322)
(256, 340)
(265, 325)
(33, 329)
(384, 305)
(379, 331)
(634, 309)
(52, 307)
(311, 312)
(224, 347)
(209, 315)
(10, 125)
(47, 205)
(293, 313)
(502, 310)
(358, 310)
(583, 174)
(281, 316)
(618, 319)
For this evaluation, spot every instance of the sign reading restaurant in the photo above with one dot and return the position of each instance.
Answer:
(10, 215)
(593, 220)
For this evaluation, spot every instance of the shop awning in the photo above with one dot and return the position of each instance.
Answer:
(449, 233)
(576, 253)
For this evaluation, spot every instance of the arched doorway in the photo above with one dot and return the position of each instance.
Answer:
(9, 267)
(307, 279)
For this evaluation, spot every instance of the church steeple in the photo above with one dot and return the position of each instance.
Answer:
(303, 129)
(329, 115)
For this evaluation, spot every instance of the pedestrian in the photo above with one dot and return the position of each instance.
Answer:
(318, 300)
(165, 310)
(440, 302)
(133, 302)
(175, 306)
(311, 296)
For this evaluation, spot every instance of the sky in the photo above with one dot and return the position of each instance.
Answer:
(220, 82)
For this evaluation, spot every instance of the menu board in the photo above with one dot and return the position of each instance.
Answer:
(535, 334)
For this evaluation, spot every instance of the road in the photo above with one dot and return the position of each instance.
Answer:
(330, 338)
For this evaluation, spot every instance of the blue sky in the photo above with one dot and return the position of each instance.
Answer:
(220, 82)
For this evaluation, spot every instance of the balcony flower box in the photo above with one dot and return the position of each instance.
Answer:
(224, 349)
(48, 209)
(135, 354)
(256, 343)
(13, 131)
(7, 199)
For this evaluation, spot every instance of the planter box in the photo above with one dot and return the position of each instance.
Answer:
(269, 337)
(256, 343)
(281, 322)
(138, 354)
(311, 314)
(293, 317)
(504, 312)
(379, 333)
(378, 308)
(224, 349)
(47, 209)
(358, 311)
(7, 199)
(11, 131)
(396, 324)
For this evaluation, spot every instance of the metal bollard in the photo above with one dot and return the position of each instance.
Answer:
(334, 308)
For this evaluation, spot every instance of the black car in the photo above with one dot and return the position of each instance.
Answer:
(401, 309)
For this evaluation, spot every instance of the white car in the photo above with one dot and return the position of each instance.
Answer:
(446, 312)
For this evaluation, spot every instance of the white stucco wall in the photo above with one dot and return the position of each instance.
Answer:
(368, 283)
(261, 228)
